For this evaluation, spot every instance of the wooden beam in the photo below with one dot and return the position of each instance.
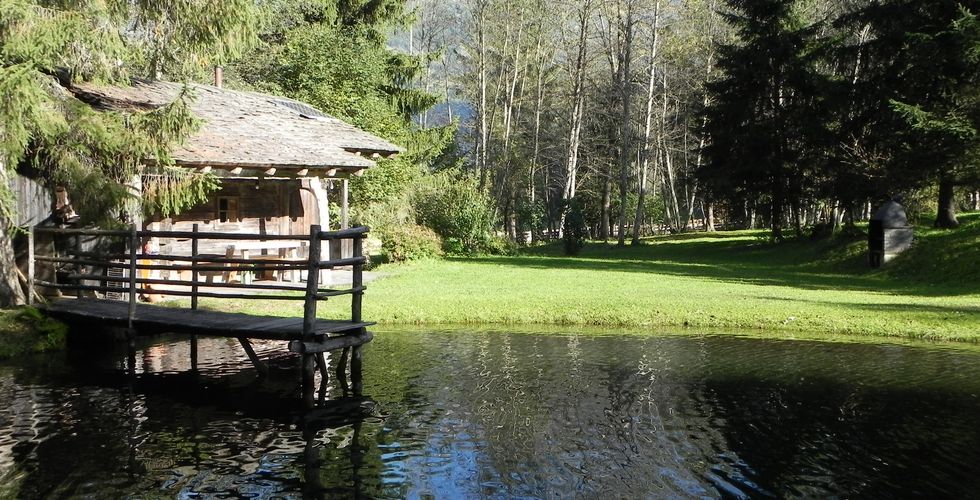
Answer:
(357, 281)
(344, 204)
(134, 243)
(332, 172)
(194, 277)
(235, 171)
(312, 278)
(321, 364)
(302, 172)
(254, 358)
(30, 266)
(204, 169)
(331, 343)
(359, 172)
(271, 171)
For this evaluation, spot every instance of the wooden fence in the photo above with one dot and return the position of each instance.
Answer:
(97, 271)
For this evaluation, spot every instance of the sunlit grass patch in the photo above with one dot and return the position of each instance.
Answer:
(736, 280)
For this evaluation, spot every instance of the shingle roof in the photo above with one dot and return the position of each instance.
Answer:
(248, 129)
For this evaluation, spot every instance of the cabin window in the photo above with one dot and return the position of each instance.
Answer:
(227, 209)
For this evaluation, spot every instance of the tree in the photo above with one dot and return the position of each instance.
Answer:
(904, 101)
(937, 99)
(332, 54)
(765, 121)
(46, 134)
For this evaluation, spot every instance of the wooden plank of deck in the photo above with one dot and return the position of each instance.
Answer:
(156, 319)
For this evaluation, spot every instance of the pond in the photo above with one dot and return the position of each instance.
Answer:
(495, 414)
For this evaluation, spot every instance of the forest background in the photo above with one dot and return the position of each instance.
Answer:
(529, 120)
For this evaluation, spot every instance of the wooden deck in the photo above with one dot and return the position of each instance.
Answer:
(127, 273)
(150, 319)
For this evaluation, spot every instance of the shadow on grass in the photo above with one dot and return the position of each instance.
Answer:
(879, 307)
(742, 257)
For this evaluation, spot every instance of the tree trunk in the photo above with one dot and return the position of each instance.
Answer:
(749, 215)
(709, 217)
(648, 126)
(538, 108)
(578, 112)
(482, 134)
(689, 214)
(797, 212)
(670, 194)
(976, 201)
(11, 294)
(627, 25)
(946, 215)
(606, 208)
(512, 222)
(449, 101)
(777, 209)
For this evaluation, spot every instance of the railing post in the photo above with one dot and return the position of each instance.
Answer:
(30, 266)
(309, 313)
(312, 283)
(194, 275)
(78, 264)
(133, 245)
(194, 251)
(357, 280)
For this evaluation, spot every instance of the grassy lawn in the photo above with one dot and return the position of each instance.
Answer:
(731, 281)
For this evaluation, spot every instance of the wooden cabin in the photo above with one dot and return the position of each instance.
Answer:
(280, 161)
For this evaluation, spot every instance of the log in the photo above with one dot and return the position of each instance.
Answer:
(331, 343)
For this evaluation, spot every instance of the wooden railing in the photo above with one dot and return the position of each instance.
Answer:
(97, 270)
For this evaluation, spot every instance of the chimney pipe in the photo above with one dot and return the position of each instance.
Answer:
(218, 76)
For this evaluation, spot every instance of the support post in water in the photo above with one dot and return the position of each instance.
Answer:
(321, 364)
(254, 358)
(357, 383)
(309, 313)
(342, 368)
(194, 277)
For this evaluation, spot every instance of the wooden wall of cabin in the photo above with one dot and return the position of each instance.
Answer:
(34, 202)
(250, 206)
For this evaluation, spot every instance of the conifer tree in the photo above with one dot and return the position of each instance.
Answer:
(930, 87)
(46, 46)
(765, 119)
(913, 114)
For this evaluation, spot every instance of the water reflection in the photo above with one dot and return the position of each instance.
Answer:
(452, 414)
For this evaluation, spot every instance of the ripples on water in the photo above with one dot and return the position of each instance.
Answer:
(468, 414)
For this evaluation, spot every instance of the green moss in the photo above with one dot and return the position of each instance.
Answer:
(27, 330)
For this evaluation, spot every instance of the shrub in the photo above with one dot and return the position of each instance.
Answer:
(453, 246)
(501, 245)
(383, 217)
(410, 242)
(452, 204)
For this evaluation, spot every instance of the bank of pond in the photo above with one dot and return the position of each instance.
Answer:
(501, 413)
